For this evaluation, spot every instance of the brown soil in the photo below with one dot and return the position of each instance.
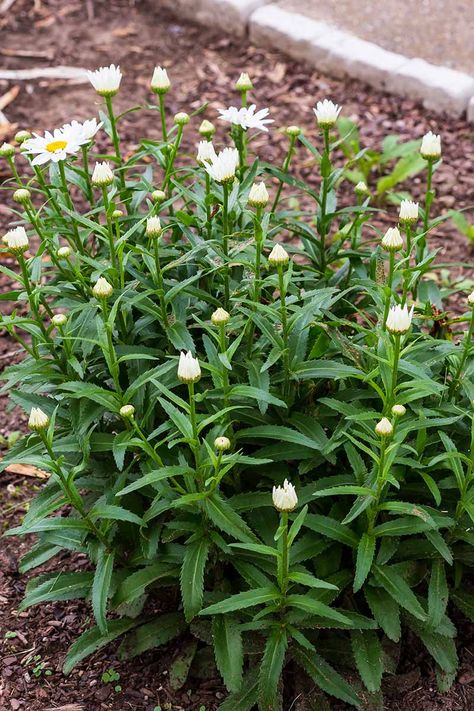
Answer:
(203, 66)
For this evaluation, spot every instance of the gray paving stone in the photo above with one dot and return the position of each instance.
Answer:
(470, 110)
(290, 32)
(229, 15)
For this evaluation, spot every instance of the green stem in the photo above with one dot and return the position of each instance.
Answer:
(160, 282)
(380, 484)
(393, 382)
(225, 372)
(32, 302)
(284, 324)
(285, 167)
(192, 415)
(208, 206)
(389, 287)
(466, 347)
(118, 155)
(110, 232)
(85, 167)
(11, 163)
(70, 205)
(225, 242)
(324, 195)
(163, 117)
(172, 158)
(113, 363)
(284, 553)
(421, 246)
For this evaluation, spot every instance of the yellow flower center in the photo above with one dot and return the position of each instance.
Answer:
(56, 146)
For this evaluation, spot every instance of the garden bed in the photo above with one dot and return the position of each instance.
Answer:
(203, 67)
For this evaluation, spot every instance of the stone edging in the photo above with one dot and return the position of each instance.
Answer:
(336, 52)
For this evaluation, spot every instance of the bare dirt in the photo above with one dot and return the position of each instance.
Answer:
(203, 66)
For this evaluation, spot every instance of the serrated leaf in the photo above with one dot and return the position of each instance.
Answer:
(101, 586)
(271, 669)
(365, 557)
(246, 698)
(326, 677)
(399, 590)
(192, 576)
(92, 640)
(152, 634)
(249, 598)
(57, 586)
(368, 655)
(228, 650)
(438, 594)
(385, 610)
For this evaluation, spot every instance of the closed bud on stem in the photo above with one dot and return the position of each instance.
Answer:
(117, 214)
(222, 444)
(39, 420)
(106, 80)
(102, 289)
(220, 317)
(293, 131)
(399, 319)
(22, 136)
(127, 411)
(59, 320)
(181, 118)
(398, 410)
(392, 240)
(258, 196)
(278, 256)
(408, 212)
(102, 175)
(7, 150)
(361, 189)
(17, 240)
(189, 370)
(384, 428)
(470, 299)
(153, 227)
(160, 82)
(244, 83)
(64, 252)
(284, 497)
(158, 195)
(22, 195)
(207, 129)
(430, 147)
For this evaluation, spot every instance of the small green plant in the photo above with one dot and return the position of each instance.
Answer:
(109, 677)
(282, 433)
(463, 224)
(39, 668)
(10, 440)
(10, 635)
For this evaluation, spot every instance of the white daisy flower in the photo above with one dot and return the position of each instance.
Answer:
(206, 152)
(54, 146)
(223, 167)
(246, 117)
(106, 80)
(327, 113)
(86, 130)
(189, 370)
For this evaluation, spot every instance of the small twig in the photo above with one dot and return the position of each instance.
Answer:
(6, 5)
(76, 74)
(9, 96)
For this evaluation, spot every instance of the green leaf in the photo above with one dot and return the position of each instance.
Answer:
(134, 585)
(92, 640)
(365, 557)
(246, 698)
(152, 634)
(348, 489)
(331, 528)
(438, 594)
(396, 586)
(101, 587)
(256, 548)
(181, 664)
(325, 369)
(226, 519)
(271, 668)
(228, 650)
(154, 477)
(368, 655)
(441, 648)
(192, 576)
(315, 607)
(255, 394)
(249, 598)
(464, 600)
(115, 513)
(326, 677)
(57, 586)
(310, 581)
(385, 610)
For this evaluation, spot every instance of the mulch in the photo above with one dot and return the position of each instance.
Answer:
(203, 66)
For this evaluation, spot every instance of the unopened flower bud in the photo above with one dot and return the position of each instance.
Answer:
(207, 129)
(127, 411)
(153, 227)
(102, 289)
(392, 240)
(181, 118)
(7, 150)
(258, 196)
(361, 189)
(17, 240)
(158, 195)
(244, 83)
(117, 214)
(293, 131)
(22, 136)
(284, 497)
(102, 175)
(470, 299)
(220, 317)
(22, 195)
(64, 252)
(160, 82)
(39, 420)
(384, 428)
(327, 113)
(222, 444)
(278, 256)
(205, 152)
(59, 320)
(408, 212)
(399, 319)
(106, 80)
(398, 410)
(431, 146)
(189, 370)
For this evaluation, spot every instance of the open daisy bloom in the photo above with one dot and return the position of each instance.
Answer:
(63, 141)
(246, 117)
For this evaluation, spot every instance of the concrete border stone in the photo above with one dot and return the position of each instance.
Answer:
(229, 15)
